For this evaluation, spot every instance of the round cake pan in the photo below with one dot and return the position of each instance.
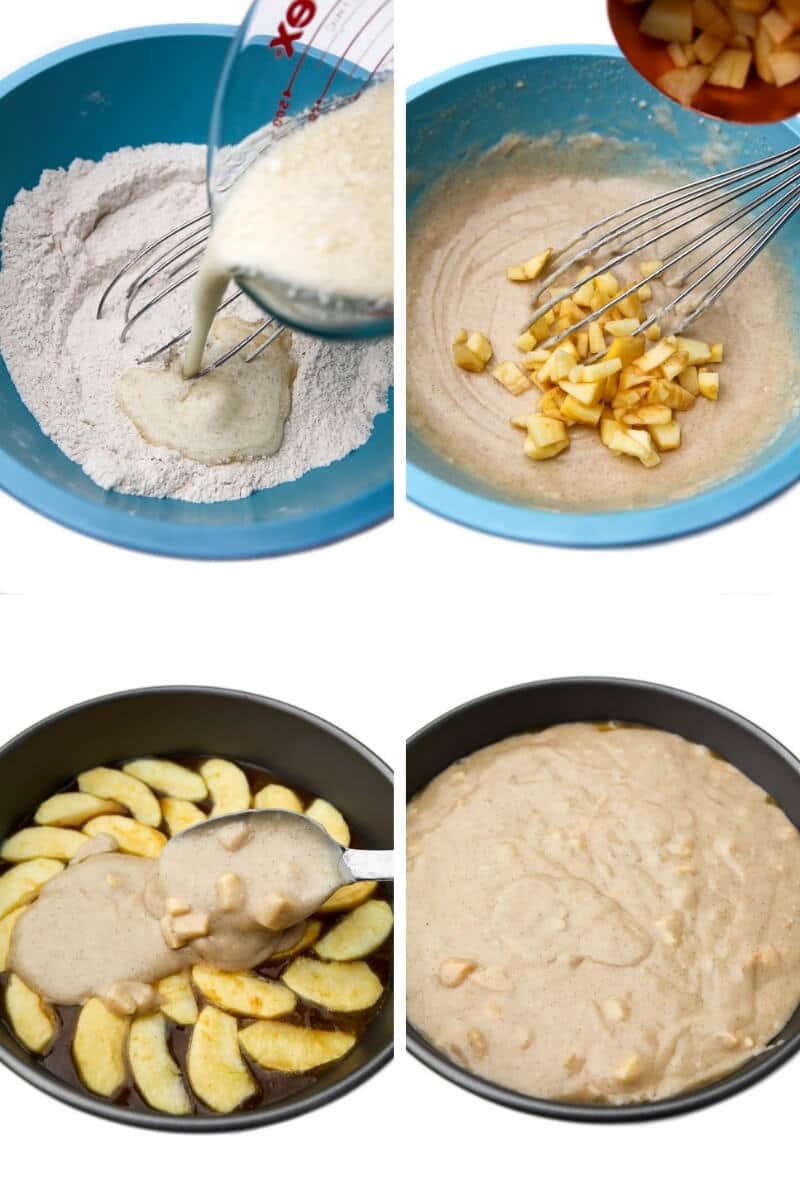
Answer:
(305, 750)
(535, 706)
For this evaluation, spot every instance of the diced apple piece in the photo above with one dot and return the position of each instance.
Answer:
(467, 359)
(675, 364)
(514, 380)
(785, 66)
(585, 393)
(550, 404)
(515, 274)
(541, 328)
(626, 349)
(717, 353)
(631, 378)
(745, 23)
(633, 442)
(647, 456)
(627, 398)
(711, 18)
(622, 328)
(649, 414)
(731, 68)
(776, 25)
(678, 398)
(683, 83)
(479, 344)
(652, 359)
(526, 342)
(667, 437)
(607, 284)
(763, 47)
(597, 342)
(708, 382)
(706, 47)
(595, 371)
(699, 352)
(631, 306)
(668, 20)
(678, 54)
(557, 367)
(534, 266)
(547, 437)
(583, 414)
(585, 294)
(688, 379)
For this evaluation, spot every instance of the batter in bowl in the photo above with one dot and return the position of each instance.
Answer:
(600, 915)
(515, 202)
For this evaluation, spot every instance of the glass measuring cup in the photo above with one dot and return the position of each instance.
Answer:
(291, 62)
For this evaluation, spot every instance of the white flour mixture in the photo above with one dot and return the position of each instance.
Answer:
(62, 243)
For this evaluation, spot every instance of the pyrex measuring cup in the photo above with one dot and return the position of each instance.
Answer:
(293, 61)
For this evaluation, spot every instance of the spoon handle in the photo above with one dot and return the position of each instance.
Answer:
(370, 864)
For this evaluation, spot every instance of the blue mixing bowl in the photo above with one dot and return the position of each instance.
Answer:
(158, 85)
(573, 90)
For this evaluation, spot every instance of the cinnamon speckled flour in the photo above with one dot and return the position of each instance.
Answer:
(62, 243)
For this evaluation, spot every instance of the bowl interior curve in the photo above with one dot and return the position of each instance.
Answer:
(129, 90)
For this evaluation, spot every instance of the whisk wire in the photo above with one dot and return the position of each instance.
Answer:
(634, 230)
(165, 258)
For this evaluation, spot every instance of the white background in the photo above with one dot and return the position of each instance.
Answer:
(380, 634)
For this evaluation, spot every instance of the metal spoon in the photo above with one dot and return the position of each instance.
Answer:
(355, 865)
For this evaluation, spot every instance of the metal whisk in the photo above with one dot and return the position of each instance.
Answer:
(753, 202)
(174, 257)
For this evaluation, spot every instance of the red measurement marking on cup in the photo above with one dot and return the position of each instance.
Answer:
(286, 95)
(316, 107)
(299, 14)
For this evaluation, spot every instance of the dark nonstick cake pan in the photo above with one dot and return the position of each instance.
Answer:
(293, 745)
(533, 706)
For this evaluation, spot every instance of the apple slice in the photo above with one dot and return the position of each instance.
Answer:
(291, 1048)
